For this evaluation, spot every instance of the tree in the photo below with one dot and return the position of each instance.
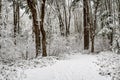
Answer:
(32, 7)
(37, 29)
(16, 12)
(118, 5)
(69, 18)
(61, 23)
(86, 24)
(93, 22)
(0, 18)
(0, 9)
(44, 53)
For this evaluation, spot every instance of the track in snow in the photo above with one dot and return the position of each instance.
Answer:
(78, 67)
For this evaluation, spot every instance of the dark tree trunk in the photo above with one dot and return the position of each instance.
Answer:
(18, 16)
(0, 18)
(94, 26)
(119, 11)
(61, 24)
(32, 6)
(86, 25)
(92, 47)
(65, 18)
(44, 53)
(15, 20)
(0, 9)
(16, 12)
(68, 26)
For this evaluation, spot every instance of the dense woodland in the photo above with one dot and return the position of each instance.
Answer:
(32, 28)
(35, 33)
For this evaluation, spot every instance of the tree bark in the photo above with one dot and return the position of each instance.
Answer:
(0, 9)
(32, 6)
(16, 13)
(68, 26)
(44, 53)
(61, 24)
(69, 19)
(15, 20)
(94, 26)
(18, 16)
(65, 17)
(119, 11)
(86, 25)
(0, 19)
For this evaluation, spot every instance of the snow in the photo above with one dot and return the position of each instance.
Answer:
(76, 67)
(109, 64)
(14, 70)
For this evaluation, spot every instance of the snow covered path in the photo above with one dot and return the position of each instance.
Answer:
(78, 67)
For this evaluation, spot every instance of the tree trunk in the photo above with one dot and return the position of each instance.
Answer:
(0, 9)
(65, 18)
(92, 47)
(68, 26)
(44, 53)
(16, 12)
(18, 16)
(94, 26)
(61, 24)
(69, 19)
(86, 25)
(0, 19)
(32, 6)
(119, 11)
(15, 20)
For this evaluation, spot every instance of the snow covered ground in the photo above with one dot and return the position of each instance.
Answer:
(14, 70)
(109, 64)
(76, 67)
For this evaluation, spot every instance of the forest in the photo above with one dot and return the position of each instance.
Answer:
(59, 39)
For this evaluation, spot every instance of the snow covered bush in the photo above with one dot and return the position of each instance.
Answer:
(8, 73)
(110, 28)
(109, 63)
(101, 44)
(60, 46)
(25, 44)
(14, 70)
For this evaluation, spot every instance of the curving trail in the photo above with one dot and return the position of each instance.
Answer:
(78, 67)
